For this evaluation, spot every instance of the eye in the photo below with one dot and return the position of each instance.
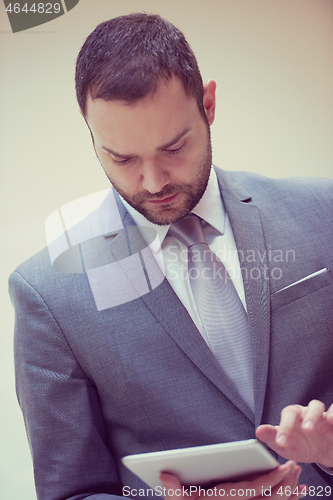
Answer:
(122, 162)
(118, 160)
(176, 150)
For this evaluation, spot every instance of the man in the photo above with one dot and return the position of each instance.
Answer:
(107, 367)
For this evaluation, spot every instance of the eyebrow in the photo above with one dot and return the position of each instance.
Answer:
(160, 148)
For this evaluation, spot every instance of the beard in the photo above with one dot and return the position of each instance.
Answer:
(192, 193)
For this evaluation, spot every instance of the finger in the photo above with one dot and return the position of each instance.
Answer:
(329, 414)
(313, 415)
(297, 490)
(171, 485)
(169, 480)
(267, 434)
(290, 416)
(270, 480)
(287, 488)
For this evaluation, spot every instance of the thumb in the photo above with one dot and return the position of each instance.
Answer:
(169, 480)
(267, 434)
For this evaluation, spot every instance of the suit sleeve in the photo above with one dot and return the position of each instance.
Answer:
(61, 408)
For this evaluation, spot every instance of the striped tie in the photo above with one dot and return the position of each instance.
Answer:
(222, 314)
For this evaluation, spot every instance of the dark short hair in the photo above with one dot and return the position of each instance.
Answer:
(126, 57)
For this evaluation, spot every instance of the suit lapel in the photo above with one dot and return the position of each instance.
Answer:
(247, 229)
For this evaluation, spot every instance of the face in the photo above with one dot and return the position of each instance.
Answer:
(156, 151)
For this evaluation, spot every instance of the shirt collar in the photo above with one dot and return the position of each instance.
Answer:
(210, 208)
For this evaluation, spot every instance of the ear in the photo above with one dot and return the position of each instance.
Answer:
(209, 100)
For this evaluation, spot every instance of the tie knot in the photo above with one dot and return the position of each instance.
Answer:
(188, 230)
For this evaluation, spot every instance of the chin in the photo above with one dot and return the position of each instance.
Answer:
(162, 219)
(165, 215)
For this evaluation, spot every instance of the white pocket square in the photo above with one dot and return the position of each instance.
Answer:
(304, 279)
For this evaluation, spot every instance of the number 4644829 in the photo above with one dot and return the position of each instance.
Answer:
(311, 491)
(39, 8)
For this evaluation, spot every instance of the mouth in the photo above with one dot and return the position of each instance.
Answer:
(164, 201)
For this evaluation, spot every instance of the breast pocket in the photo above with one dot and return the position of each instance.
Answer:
(305, 286)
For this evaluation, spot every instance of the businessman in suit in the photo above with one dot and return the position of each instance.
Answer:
(98, 380)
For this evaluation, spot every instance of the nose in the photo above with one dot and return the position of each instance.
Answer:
(154, 177)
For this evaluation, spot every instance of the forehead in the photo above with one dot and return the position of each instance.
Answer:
(152, 120)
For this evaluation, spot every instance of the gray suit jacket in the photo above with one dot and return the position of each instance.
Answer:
(95, 385)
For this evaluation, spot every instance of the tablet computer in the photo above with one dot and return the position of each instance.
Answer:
(203, 465)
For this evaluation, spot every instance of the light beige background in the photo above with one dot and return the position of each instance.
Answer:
(272, 60)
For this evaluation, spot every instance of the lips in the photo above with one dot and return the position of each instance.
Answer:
(164, 201)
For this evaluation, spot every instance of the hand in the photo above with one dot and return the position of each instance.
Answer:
(305, 434)
(279, 484)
